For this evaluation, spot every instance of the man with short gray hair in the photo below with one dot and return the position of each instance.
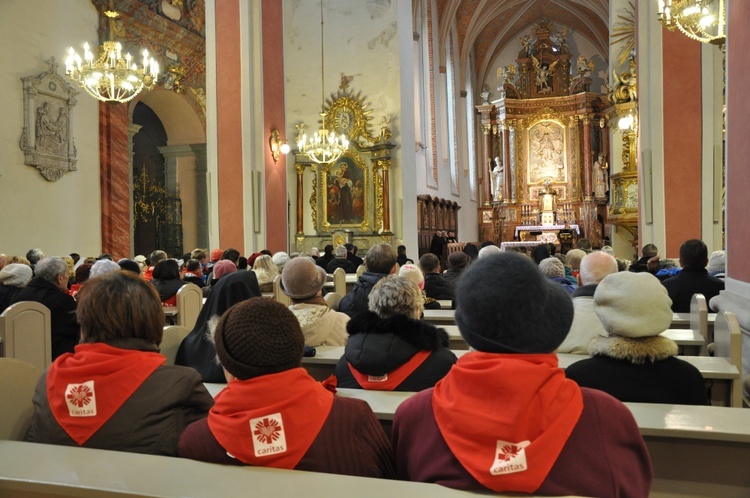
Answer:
(379, 262)
(586, 325)
(50, 288)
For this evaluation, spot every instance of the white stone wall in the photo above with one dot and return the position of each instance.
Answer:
(58, 217)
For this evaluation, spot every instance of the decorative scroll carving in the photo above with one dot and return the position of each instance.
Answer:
(48, 101)
(314, 197)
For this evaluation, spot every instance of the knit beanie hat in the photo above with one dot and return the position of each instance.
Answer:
(216, 254)
(552, 267)
(505, 305)
(302, 278)
(458, 260)
(280, 259)
(413, 273)
(127, 264)
(222, 268)
(16, 275)
(633, 304)
(257, 337)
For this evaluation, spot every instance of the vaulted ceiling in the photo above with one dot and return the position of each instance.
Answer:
(488, 26)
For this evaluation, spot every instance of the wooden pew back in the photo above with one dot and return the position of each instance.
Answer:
(17, 382)
(189, 304)
(277, 294)
(171, 340)
(699, 320)
(729, 345)
(26, 333)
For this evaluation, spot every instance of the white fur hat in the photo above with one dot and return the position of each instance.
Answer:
(633, 305)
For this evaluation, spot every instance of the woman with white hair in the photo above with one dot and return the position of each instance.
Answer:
(13, 278)
(389, 348)
(50, 288)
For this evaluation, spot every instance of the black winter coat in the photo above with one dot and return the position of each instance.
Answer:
(337, 263)
(436, 287)
(377, 346)
(356, 300)
(66, 332)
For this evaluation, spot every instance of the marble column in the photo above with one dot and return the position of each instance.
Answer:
(114, 179)
(487, 162)
(133, 129)
(300, 168)
(201, 194)
(506, 162)
(587, 166)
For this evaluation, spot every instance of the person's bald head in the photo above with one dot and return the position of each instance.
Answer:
(596, 266)
(3, 260)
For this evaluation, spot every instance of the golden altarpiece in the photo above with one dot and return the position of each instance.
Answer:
(347, 200)
(546, 147)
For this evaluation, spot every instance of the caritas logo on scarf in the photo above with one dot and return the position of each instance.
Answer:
(509, 458)
(268, 435)
(81, 399)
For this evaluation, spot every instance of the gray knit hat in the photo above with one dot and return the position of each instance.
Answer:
(257, 337)
(302, 278)
(633, 304)
(15, 275)
(505, 305)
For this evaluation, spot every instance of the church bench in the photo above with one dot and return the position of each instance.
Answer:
(445, 304)
(26, 333)
(33, 469)
(440, 317)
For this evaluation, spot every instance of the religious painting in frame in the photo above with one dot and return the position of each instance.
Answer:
(346, 190)
(547, 153)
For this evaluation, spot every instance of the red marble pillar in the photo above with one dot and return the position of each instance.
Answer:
(114, 164)
(587, 190)
(486, 162)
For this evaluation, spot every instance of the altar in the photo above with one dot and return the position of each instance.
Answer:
(548, 232)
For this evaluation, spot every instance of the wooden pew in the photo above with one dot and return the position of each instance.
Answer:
(699, 320)
(26, 333)
(445, 304)
(171, 339)
(728, 341)
(440, 317)
(189, 304)
(33, 469)
(277, 294)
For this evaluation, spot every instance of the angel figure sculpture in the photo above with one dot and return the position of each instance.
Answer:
(558, 38)
(527, 42)
(623, 88)
(506, 74)
(584, 66)
(543, 72)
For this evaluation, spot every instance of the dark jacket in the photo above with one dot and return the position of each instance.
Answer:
(691, 281)
(620, 466)
(324, 260)
(355, 260)
(192, 279)
(150, 421)
(355, 300)
(436, 287)
(451, 275)
(378, 346)
(437, 246)
(401, 259)
(167, 288)
(65, 329)
(7, 292)
(197, 349)
(660, 378)
(351, 442)
(344, 263)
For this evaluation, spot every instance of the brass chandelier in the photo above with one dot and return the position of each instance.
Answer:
(701, 20)
(324, 146)
(111, 78)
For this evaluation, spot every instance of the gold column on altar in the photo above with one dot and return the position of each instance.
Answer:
(587, 190)
(506, 161)
(381, 164)
(300, 220)
(486, 111)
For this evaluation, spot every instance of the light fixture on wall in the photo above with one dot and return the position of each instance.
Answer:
(278, 146)
(324, 146)
(701, 20)
(111, 77)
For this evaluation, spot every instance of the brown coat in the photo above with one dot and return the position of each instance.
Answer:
(150, 421)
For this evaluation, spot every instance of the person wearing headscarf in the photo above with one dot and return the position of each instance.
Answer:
(13, 278)
(197, 349)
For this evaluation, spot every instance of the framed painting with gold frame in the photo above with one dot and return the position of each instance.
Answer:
(346, 188)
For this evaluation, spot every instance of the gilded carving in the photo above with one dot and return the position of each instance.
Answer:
(348, 113)
(314, 197)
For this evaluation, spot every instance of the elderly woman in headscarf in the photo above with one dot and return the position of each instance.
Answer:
(13, 278)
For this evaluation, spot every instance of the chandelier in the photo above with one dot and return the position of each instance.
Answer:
(111, 78)
(324, 146)
(701, 20)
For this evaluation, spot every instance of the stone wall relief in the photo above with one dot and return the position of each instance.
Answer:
(48, 102)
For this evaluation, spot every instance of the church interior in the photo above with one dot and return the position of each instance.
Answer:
(498, 120)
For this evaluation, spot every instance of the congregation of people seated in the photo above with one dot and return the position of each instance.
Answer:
(167, 281)
(435, 285)
(341, 260)
(612, 317)
(693, 278)
(389, 348)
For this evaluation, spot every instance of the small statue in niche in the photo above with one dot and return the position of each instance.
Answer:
(601, 172)
(497, 180)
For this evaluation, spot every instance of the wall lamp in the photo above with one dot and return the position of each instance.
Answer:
(278, 146)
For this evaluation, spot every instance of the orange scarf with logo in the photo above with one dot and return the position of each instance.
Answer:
(86, 388)
(271, 420)
(391, 380)
(507, 417)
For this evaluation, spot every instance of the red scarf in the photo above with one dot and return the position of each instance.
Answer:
(86, 388)
(391, 380)
(506, 417)
(271, 420)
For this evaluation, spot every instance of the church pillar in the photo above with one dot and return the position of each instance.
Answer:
(114, 179)
(300, 168)
(132, 130)
(487, 162)
(506, 162)
(201, 194)
(587, 160)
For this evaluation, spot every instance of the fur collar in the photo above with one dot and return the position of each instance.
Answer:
(637, 351)
(419, 334)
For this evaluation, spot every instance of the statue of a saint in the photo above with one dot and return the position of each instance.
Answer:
(497, 180)
(601, 172)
